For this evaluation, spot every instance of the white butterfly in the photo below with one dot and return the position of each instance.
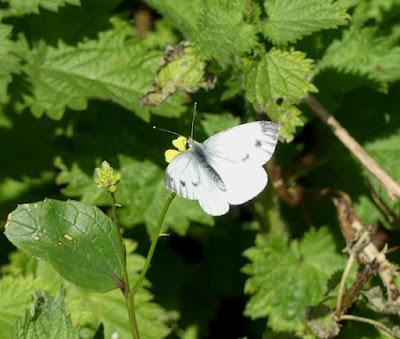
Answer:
(227, 169)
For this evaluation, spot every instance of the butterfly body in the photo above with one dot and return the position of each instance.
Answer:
(227, 169)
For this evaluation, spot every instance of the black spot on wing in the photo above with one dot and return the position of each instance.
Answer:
(246, 157)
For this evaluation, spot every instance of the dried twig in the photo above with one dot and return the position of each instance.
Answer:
(391, 186)
(352, 230)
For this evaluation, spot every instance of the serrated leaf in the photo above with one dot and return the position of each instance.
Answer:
(363, 52)
(276, 82)
(8, 60)
(217, 27)
(182, 14)
(222, 32)
(21, 7)
(79, 240)
(290, 20)
(14, 295)
(114, 67)
(287, 278)
(182, 70)
(89, 309)
(46, 319)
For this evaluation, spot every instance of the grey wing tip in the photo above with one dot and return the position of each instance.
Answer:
(270, 127)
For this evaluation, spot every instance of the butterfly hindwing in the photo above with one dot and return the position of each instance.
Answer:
(189, 178)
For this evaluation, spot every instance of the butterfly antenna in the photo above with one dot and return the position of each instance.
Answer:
(194, 115)
(165, 130)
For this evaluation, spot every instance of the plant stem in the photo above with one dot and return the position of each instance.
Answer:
(125, 286)
(343, 283)
(154, 240)
(371, 322)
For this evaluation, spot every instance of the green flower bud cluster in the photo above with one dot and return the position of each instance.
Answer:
(106, 177)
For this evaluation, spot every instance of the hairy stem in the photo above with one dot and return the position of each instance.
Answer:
(124, 286)
(372, 322)
(154, 240)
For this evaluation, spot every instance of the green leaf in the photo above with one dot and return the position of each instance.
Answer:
(46, 318)
(222, 32)
(287, 278)
(8, 60)
(79, 240)
(276, 82)
(290, 20)
(218, 28)
(214, 123)
(90, 309)
(115, 67)
(363, 52)
(182, 70)
(14, 295)
(21, 7)
(182, 14)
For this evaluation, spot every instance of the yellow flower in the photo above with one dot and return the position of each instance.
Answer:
(181, 144)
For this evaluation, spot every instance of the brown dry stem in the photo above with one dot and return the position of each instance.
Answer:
(391, 186)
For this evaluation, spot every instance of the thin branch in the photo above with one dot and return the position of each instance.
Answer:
(372, 322)
(352, 230)
(391, 186)
(154, 240)
(342, 285)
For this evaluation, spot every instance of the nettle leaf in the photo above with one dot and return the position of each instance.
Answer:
(115, 67)
(8, 60)
(276, 82)
(222, 32)
(290, 20)
(182, 70)
(21, 7)
(141, 192)
(14, 295)
(286, 278)
(217, 27)
(89, 309)
(182, 14)
(363, 52)
(79, 240)
(46, 318)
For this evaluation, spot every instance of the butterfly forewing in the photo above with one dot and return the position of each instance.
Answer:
(253, 142)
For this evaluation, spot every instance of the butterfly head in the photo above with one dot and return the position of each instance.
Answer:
(181, 144)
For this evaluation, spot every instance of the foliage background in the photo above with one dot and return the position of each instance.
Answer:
(72, 83)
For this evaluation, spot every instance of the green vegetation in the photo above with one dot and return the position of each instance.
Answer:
(82, 193)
